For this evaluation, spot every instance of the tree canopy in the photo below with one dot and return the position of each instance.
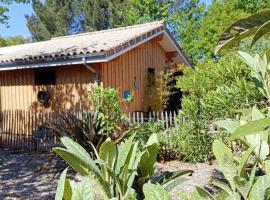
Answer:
(196, 27)
(63, 17)
(15, 40)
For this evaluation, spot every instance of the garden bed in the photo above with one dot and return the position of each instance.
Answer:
(22, 177)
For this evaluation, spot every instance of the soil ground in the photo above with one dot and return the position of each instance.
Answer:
(22, 176)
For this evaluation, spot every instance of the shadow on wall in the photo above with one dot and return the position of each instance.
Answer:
(63, 97)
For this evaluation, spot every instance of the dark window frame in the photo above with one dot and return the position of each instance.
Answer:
(45, 76)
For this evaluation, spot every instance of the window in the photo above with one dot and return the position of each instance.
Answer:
(45, 76)
(151, 77)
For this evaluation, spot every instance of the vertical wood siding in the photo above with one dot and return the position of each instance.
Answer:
(18, 91)
(122, 71)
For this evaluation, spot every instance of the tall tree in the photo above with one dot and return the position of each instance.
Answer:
(183, 17)
(62, 17)
(15, 40)
(53, 18)
(141, 11)
(185, 21)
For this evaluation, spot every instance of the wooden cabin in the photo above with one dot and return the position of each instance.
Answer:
(61, 71)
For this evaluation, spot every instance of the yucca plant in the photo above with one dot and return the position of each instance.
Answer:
(117, 172)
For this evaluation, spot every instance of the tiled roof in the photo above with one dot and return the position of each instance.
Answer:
(106, 43)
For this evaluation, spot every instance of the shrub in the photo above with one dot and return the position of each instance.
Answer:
(212, 91)
(103, 120)
(145, 130)
(106, 102)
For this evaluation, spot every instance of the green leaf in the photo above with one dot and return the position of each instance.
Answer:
(225, 160)
(123, 152)
(264, 29)
(225, 187)
(155, 192)
(204, 194)
(248, 59)
(84, 190)
(252, 127)
(256, 114)
(61, 185)
(167, 176)
(243, 162)
(259, 189)
(241, 29)
(267, 167)
(84, 168)
(76, 149)
(148, 159)
(108, 152)
(172, 184)
(77, 164)
(229, 125)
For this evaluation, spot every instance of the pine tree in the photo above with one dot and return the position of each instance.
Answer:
(63, 17)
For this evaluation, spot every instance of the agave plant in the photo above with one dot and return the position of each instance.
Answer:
(118, 172)
(257, 24)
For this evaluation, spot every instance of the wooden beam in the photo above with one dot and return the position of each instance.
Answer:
(157, 39)
(171, 54)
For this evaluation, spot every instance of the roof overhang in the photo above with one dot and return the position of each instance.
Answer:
(168, 44)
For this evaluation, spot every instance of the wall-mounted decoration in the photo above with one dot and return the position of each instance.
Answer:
(136, 84)
(43, 97)
(126, 94)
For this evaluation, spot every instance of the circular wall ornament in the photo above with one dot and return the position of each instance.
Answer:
(126, 94)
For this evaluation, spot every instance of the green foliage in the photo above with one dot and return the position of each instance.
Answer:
(114, 172)
(155, 192)
(63, 17)
(145, 130)
(159, 95)
(213, 90)
(211, 95)
(252, 131)
(187, 143)
(243, 183)
(256, 24)
(148, 10)
(106, 102)
(10, 41)
(259, 71)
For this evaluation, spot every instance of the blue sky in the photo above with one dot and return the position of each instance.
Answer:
(17, 20)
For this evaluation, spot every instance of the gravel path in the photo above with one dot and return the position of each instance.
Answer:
(21, 177)
(201, 176)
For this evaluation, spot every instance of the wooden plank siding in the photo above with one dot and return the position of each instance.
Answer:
(122, 71)
(18, 91)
